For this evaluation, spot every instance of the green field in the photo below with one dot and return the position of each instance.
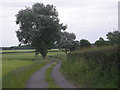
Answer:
(88, 67)
(19, 64)
(25, 50)
(22, 65)
(11, 61)
(8, 66)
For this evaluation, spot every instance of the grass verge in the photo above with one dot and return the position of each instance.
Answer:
(17, 78)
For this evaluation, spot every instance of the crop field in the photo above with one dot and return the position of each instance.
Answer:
(11, 61)
(15, 63)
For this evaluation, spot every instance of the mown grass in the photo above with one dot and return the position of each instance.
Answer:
(92, 67)
(48, 78)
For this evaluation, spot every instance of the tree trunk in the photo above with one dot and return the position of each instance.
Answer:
(66, 51)
(44, 57)
(36, 53)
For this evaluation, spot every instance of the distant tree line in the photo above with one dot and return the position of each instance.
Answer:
(17, 47)
(68, 42)
(113, 38)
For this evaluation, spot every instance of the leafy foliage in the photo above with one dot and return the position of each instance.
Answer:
(84, 43)
(66, 41)
(101, 42)
(39, 27)
(93, 67)
(113, 37)
(75, 45)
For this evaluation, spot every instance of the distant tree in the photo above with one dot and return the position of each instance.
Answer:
(84, 43)
(74, 46)
(113, 37)
(101, 42)
(39, 26)
(66, 41)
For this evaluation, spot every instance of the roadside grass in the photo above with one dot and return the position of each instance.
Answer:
(17, 78)
(48, 78)
(17, 68)
(92, 67)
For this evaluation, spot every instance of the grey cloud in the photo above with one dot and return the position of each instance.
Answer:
(15, 4)
(89, 20)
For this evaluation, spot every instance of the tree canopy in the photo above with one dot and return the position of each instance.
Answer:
(101, 42)
(66, 41)
(113, 37)
(84, 43)
(39, 26)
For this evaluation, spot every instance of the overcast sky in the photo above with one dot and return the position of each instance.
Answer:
(88, 19)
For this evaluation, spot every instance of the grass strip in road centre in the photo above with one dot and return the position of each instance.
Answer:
(49, 79)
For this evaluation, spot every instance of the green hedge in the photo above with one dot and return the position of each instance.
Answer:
(93, 67)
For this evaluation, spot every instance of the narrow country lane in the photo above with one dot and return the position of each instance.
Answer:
(59, 79)
(37, 80)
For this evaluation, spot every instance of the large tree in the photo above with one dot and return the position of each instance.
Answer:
(39, 26)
